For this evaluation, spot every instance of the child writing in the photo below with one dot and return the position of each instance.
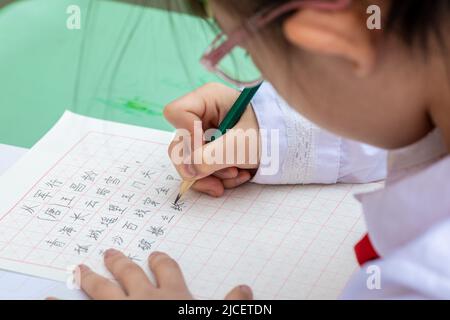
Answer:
(388, 89)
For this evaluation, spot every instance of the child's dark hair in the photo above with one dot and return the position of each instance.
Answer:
(415, 21)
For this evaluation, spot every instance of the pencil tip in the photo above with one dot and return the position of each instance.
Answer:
(177, 199)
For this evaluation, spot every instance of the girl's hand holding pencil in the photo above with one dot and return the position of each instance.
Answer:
(223, 163)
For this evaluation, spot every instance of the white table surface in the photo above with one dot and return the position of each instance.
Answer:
(15, 286)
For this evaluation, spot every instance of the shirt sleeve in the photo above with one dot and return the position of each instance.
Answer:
(295, 151)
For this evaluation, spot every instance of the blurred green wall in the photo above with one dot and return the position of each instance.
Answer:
(124, 64)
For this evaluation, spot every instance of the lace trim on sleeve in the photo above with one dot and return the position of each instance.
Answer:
(298, 167)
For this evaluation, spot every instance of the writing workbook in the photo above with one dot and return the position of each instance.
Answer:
(90, 185)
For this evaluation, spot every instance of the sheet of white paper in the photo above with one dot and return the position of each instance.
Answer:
(9, 155)
(89, 185)
(20, 286)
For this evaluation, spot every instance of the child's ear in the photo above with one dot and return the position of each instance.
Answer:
(342, 33)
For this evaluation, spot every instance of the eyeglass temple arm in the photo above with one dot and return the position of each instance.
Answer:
(179, 6)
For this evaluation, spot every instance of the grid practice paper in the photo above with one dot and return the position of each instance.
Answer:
(90, 185)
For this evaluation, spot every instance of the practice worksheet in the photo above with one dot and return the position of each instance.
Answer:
(90, 185)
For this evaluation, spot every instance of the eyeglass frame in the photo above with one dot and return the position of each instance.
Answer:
(216, 53)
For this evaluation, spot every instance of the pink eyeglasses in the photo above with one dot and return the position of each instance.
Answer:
(225, 58)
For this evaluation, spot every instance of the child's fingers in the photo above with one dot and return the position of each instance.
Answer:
(211, 185)
(130, 276)
(208, 103)
(228, 173)
(98, 287)
(242, 292)
(167, 273)
(243, 177)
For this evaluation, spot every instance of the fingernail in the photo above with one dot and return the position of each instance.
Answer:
(154, 254)
(190, 170)
(212, 193)
(111, 252)
(82, 268)
(246, 290)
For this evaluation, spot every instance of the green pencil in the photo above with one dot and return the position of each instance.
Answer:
(230, 120)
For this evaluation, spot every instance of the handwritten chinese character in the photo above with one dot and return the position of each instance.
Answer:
(55, 243)
(102, 191)
(50, 214)
(123, 169)
(145, 245)
(91, 204)
(177, 206)
(130, 226)
(128, 197)
(77, 187)
(138, 185)
(112, 181)
(118, 240)
(79, 217)
(107, 221)
(167, 218)
(54, 183)
(116, 208)
(157, 231)
(162, 190)
(65, 202)
(67, 230)
(149, 201)
(81, 249)
(148, 174)
(95, 234)
(29, 208)
(42, 195)
(141, 213)
(89, 176)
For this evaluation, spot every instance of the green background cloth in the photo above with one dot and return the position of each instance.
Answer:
(124, 64)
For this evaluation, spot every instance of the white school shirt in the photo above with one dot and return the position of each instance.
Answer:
(408, 221)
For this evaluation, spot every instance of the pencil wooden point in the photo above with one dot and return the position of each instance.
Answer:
(185, 186)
